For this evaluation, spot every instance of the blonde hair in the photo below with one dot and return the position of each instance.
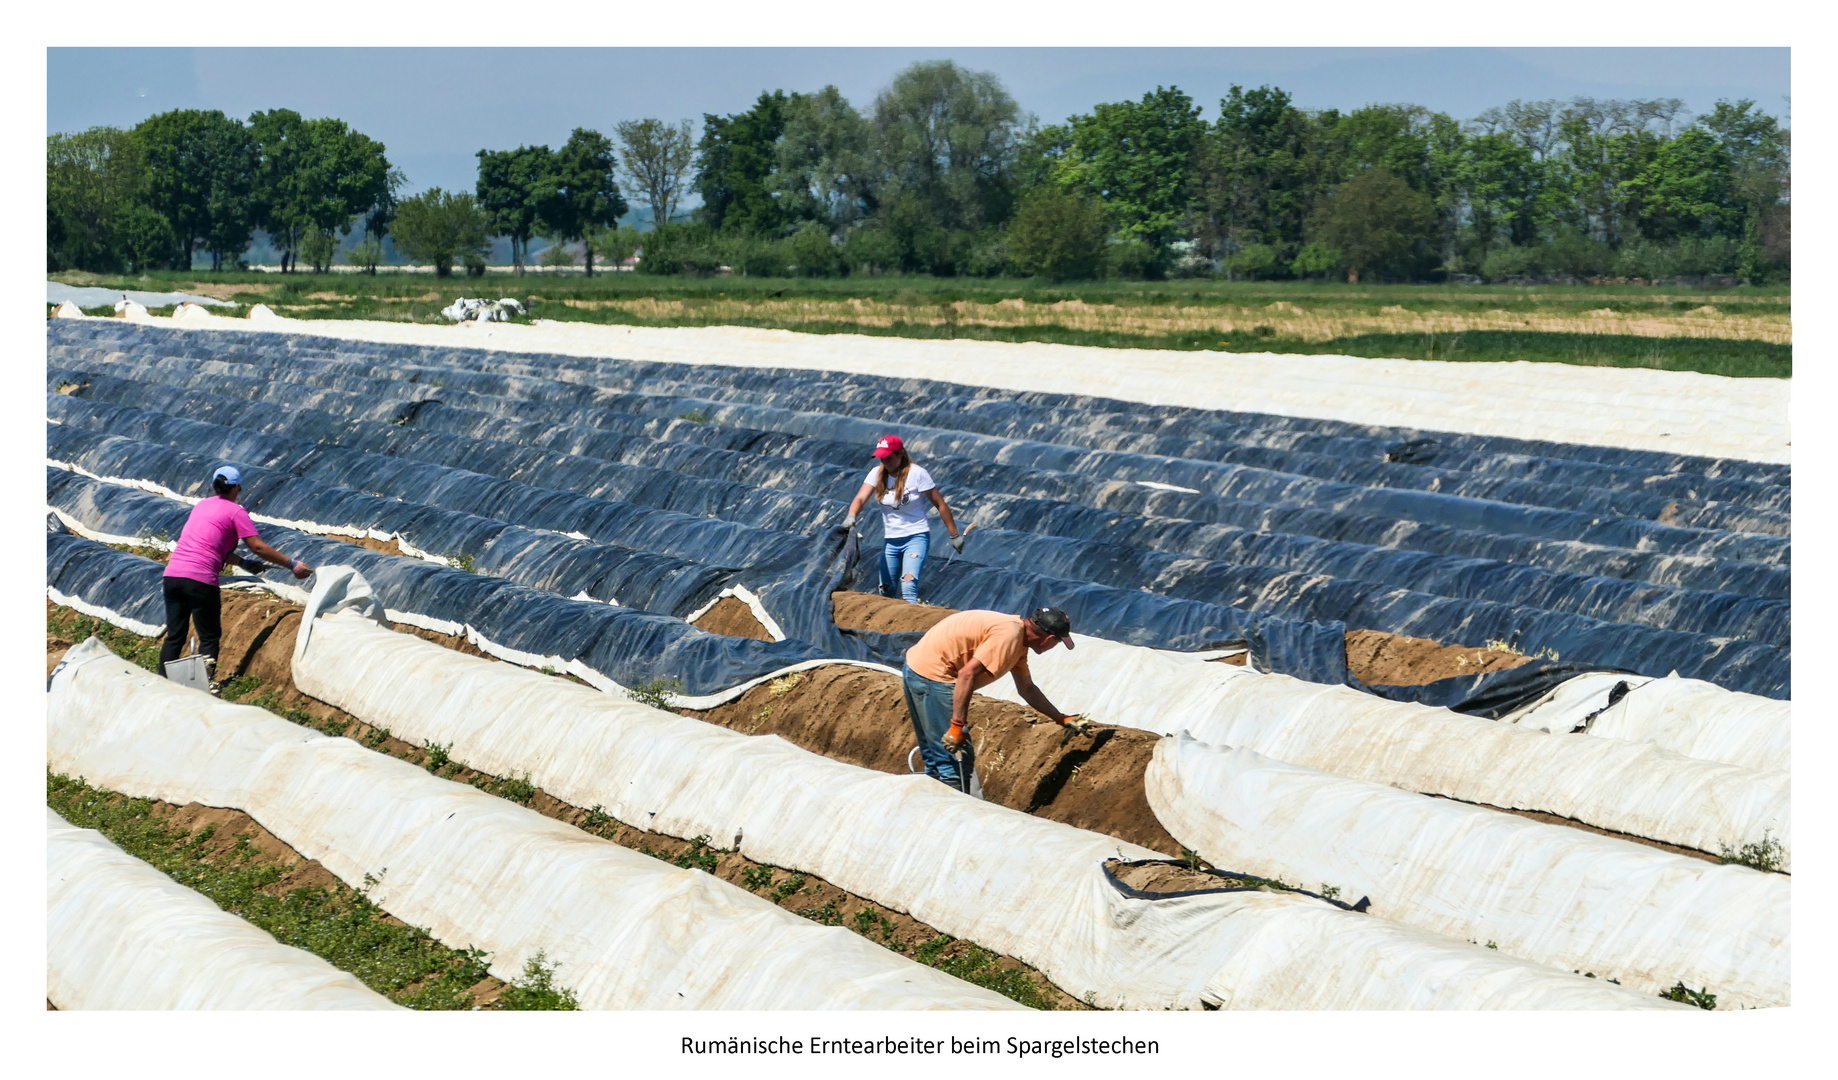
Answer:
(899, 490)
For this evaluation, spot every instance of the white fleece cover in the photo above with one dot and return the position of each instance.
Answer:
(625, 931)
(122, 935)
(1572, 899)
(1673, 411)
(1629, 787)
(1031, 888)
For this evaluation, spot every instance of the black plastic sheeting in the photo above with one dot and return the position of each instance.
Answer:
(743, 467)
(1118, 613)
(630, 647)
(1092, 421)
(1597, 553)
(1598, 520)
(1302, 597)
(1131, 552)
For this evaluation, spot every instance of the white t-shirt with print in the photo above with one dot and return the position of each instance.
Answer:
(906, 517)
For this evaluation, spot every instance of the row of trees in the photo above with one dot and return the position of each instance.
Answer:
(943, 174)
(193, 181)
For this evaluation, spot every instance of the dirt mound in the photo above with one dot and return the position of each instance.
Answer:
(733, 618)
(1171, 878)
(870, 611)
(1380, 659)
(859, 716)
(390, 546)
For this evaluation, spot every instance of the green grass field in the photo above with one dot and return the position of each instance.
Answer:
(1746, 331)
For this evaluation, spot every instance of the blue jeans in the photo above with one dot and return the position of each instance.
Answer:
(901, 560)
(928, 703)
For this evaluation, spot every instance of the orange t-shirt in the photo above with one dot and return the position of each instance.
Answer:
(989, 636)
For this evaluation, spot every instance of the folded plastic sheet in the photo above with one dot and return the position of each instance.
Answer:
(121, 935)
(1031, 888)
(1560, 896)
(1685, 716)
(1751, 666)
(624, 930)
(1627, 787)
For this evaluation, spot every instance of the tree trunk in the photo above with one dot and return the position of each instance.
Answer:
(517, 256)
(587, 250)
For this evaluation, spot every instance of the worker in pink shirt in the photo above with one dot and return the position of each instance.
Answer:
(205, 544)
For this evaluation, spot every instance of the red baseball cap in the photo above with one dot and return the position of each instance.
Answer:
(888, 447)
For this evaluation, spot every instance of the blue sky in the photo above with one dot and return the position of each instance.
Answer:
(434, 108)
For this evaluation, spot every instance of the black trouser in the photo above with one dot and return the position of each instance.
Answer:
(189, 601)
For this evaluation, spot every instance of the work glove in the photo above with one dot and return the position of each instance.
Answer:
(954, 738)
(958, 543)
(1073, 725)
(849, 522)
(302, 571)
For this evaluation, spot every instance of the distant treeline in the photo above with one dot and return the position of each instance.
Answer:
(942, 174)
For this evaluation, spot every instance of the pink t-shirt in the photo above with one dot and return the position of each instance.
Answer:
(215, 527)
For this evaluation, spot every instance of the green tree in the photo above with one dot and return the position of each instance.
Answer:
(823, 168)
(1137, 158)
(1687, 188)
(944, 138)
(581, 194)
(657, 159)
(734, 166)
(813, 253)
(1257, 175)
(1315, 259)
(1379, 224)
(201, 170)
(1057, 234)
(439, 229)
(94, 181)
(366, 254)
(512, 185)
(615, 244)
(314, 174)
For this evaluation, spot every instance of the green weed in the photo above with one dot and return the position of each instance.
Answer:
(597, 819)
(694, 416)
(788, 888)
(827, 915)
(659, 692)
(1767, 854)
(755, 878)
(1703, 999)
(439, 755)
(460, 560)
(75, 626)
(239, 687)
(536, 989)
(979, 966)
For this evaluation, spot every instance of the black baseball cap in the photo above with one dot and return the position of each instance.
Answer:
(1053, 621)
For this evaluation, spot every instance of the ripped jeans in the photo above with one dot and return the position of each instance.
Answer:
(901, 560)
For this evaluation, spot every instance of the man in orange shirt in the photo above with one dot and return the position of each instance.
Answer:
(964, 653)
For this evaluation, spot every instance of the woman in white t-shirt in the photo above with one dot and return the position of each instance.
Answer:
(901, 489)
